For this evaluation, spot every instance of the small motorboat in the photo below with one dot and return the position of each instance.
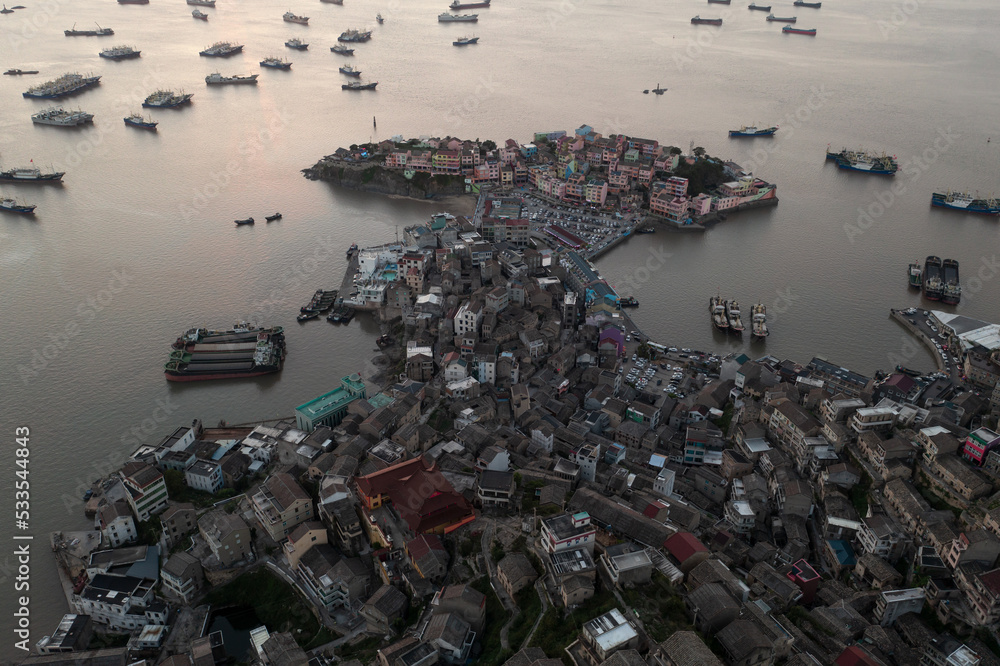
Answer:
(249, 220)
(87, 495)
(378, 17)
(272, 218)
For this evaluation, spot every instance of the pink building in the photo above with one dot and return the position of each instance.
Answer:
(447, 161)
(678, 187)
(701, 204)
(597, 191)
(397, 159)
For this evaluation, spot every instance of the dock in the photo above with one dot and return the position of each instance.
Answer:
(920, 335)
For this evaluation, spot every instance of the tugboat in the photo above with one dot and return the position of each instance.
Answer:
(759, 322)
(12, 206)
(297, 44)
(629, 302)
(272, 218)
(136, 120)
(717, 308)
(915, 273)
(249, 220)
(753, 131)
(733, 314)
(963, 201)
(933, 284)
(951, 292)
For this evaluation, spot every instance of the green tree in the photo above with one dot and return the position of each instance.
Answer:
(174, 479)
(699, 151)
(674, 150)
(489, 145)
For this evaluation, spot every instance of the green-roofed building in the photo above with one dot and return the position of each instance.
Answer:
(380, 400)
(329, 409)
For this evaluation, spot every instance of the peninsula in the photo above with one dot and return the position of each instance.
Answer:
(583, 169)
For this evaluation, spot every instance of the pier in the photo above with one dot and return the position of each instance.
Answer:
(917, 332)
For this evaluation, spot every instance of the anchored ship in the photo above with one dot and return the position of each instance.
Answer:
(379, 18)
(30, 175)
(964, 201)
(355, 36)
(779, 19)
(133, 2)
(915, 274)
(100, 32)
(733, 314)
(67, 84)
(951, 290)
(199, 15)
(13, 206)
(342, 50)
(802, 3)
(225, 356)
(717, 308)
(275, 63)
(296, 43)
(465, 41)
(18, 72)
(700, 21)
(221, 50)
(293, 18)
(136, 120)
(861, 160)
(350, 71)
(165, 99)
(357, 85)
(461, 18)
(61, 118)
(759, 8)
(628, 302)
(933, 284)
(215, 79)
(759, 322)
(119, 53)
(469, 5)
(753, 131)
(202, 3)
(798, 31)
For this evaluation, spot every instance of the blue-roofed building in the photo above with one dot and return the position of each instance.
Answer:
(329, 409)
(584, 130)
(840, 555)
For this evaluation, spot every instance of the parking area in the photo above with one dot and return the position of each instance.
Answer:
(677, 372)
(949, 358)
(595, 227)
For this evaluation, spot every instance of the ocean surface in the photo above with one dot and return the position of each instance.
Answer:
(138, 244)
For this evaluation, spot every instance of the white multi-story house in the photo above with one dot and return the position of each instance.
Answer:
(205, 475)
(121, 602)
(468, 318)
(116, 523)
(147, 490)
(881, 536)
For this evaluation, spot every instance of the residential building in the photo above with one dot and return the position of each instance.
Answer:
(280, 504)
(607, 634)
(745, 644)
(123, 603)
(72, 634)
(568, 532)
(116, 523)
(881, 536)
(946, 651)
(890, 604)
(516, 572)
(147, 489)
(495, 489)
(428, 556)
(205, 475)
(301, 539)
(227, 536)
(383, 608)
(979, 443)
(178, 520)
(182, 576)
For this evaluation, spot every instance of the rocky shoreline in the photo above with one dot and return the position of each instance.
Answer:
(369, 177)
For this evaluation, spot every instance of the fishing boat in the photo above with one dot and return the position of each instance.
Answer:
(136, 120)
(249, 220)
(350, 71)
(294, 18)
(448, 17)
(465, 41)
(966, 202)
(753, 131)
(357, 85)
(275, 63)
(199, 15)
(119, 53)
(272, 218)
(215, 78)
(297, 44)
(342, 50)
(13, 206)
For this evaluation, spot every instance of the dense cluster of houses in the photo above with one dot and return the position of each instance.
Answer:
(582, 168)
(802, 513)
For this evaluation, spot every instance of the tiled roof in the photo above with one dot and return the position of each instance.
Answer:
(683, 545)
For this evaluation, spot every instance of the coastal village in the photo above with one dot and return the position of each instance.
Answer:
(530, 480)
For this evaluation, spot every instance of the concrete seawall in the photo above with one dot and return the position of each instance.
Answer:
(920, 335)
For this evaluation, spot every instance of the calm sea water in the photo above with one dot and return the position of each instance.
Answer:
(138, 244)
